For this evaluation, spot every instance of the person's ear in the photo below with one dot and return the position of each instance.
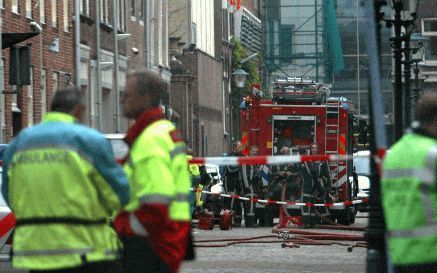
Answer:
(78, 112)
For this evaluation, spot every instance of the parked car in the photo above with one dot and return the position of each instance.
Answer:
(5, 241)
(120, 148)
(362, 170)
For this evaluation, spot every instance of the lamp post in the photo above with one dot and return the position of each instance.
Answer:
(402, 91)
(397, 55)
(240, 77)
(240, 80)
(418, 41)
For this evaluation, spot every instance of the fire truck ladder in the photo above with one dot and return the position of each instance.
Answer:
(332, 134)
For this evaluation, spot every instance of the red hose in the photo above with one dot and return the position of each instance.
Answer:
(236, 239)
(338, 237)
(341, 227)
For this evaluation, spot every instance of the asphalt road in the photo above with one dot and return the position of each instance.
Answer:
(267, 257)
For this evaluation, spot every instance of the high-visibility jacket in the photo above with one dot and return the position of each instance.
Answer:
(409, 200)
(157, 170)
(194, 168)
(63, 184)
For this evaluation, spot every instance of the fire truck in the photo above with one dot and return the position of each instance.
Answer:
(301, 112)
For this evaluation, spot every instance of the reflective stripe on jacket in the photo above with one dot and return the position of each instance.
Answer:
(63, 185)
(409, 199)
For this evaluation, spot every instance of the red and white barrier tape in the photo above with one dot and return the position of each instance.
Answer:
(274, 202)
(266, 160)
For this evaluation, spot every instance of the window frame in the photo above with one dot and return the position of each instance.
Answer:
(54, 14)
(15, 6)
(65, 15)
(42, 12)
(431, 34)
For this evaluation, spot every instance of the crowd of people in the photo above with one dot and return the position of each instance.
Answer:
(305, 182)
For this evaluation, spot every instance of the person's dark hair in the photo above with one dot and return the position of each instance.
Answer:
(303, 150)
(65, 99)
(151, 83)
(426, 109)
(235, 144)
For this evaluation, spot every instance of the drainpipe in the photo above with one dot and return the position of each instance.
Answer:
(98, 97)
(117, 93)
(76, 42)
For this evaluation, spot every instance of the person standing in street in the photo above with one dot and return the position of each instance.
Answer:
(409, 195)
(63, 184)
(315, 187)
(196, 186)
(233, 185)
(155, 227)
(251, 188)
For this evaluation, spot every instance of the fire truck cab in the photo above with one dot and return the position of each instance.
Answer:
(300, 113)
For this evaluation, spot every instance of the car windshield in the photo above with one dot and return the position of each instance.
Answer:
(362, 165)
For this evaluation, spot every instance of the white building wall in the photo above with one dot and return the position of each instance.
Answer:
(203, 18)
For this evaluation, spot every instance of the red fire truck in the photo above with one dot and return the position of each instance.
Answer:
(300, 113)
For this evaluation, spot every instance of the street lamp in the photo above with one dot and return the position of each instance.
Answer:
(240, 80)
(402, 92)
(240, 77)
(419, 42)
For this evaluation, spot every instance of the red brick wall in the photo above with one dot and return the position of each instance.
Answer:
(137, 38)
(60, 62)
(88, 31)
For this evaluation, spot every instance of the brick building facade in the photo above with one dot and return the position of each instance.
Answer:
(141, 49)
(51, 64)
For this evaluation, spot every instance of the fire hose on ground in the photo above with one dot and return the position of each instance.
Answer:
(290, 240)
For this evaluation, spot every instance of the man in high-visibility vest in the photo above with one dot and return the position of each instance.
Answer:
(63, 184)
(196, 187)
(409, 195)
(155, 227)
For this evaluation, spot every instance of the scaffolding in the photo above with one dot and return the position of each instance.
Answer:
(297, 39)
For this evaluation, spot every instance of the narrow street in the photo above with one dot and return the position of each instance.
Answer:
(268, 257)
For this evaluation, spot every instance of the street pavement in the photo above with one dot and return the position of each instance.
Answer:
(267, 257)
(271, 257)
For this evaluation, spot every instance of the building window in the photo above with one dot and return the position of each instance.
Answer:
(122, 15)
(429, 28)
(42, 12)
(29, 8)
(1, 4)
(55, 78)
(85, 7)
(14, 6)
(104, 11)
(132, 10)
(30, 100)
(54, 14)
(160, 30)
(66, 19)
(140, 12)
(43, 91)
(107, 12)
